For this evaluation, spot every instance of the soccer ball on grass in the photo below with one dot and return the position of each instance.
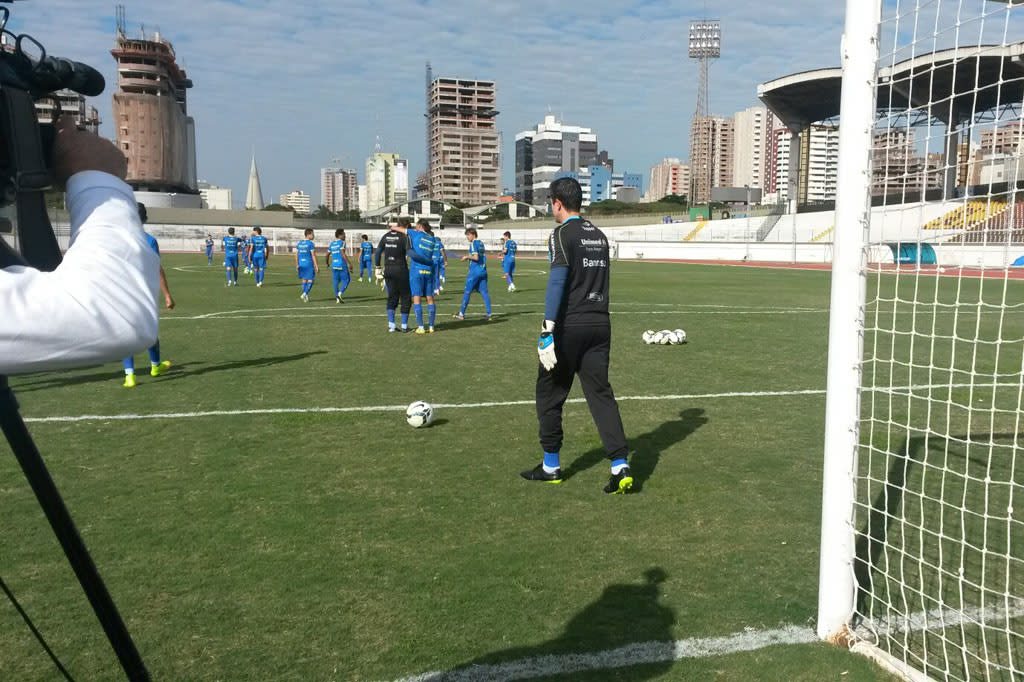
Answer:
(419, 414)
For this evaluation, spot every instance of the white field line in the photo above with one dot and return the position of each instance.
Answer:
(248, 313)
(629, 655)
(698, 647)
(401, 408)
(459, 406)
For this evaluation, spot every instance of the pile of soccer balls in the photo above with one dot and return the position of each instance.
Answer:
(665, 337)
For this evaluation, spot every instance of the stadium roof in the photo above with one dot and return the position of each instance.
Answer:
(959, 82)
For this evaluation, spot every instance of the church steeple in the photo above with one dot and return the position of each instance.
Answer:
(254, 195)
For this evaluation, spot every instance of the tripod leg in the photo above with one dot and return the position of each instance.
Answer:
(70, 541)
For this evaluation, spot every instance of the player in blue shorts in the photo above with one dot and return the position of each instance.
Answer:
(258, 254)
(338, 262)
(156, 367)
(440, 259)
(476, 279)
(421, 274)
(243, 249)
(305, 263)
(209, 249)
(230, 243)
(508, 259)
(366, 258)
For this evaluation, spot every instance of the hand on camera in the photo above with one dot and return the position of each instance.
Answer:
(76, 150)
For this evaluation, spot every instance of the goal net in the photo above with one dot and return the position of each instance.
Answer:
(923, 508)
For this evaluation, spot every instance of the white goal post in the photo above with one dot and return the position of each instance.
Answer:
(922, 538)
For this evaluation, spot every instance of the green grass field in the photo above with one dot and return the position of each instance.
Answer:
(344, 545)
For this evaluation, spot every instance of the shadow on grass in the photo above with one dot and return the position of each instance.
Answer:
(44, 381)
(450, 325)
(645, 449)
(624, 615)
(937, 517)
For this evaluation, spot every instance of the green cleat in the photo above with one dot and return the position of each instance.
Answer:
(129, 381)
(620, 483)
(157, 370)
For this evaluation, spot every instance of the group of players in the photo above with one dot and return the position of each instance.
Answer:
(414, 268)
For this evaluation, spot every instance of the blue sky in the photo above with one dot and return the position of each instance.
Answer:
(306, 82)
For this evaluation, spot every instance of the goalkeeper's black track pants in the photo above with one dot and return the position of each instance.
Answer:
(583, 351)
(398, 288)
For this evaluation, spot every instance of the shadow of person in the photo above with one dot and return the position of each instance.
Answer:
(37, 382)
(451, 325)
(626, 626)
(645, 450)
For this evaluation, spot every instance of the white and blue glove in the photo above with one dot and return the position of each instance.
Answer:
(378, 274)
(546, 345)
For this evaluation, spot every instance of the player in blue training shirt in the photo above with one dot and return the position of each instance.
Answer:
(338, 262)
(508, 259)
(476, 279)
(440, 261)
(258, 254)
(366, 258)
(421, 274)
(209, 249)
(305, 263)
(156, 367)
(231, 256)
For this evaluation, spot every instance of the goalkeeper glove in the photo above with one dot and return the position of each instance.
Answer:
(378, 274)
(546, 345)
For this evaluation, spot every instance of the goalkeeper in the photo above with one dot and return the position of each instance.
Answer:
(576, 339)
(393, 248)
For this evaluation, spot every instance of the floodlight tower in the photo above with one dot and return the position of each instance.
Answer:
(705, 45)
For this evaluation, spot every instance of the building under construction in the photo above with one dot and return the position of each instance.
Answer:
(464, 161)
(151, 119)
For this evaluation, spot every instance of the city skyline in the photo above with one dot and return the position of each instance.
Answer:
(618, 70)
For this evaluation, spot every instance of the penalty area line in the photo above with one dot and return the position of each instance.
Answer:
(401, 408)
(895, 390)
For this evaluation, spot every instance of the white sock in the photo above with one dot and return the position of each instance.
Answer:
(618, 468)
(549, 470)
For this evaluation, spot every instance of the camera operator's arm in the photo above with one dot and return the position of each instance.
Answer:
(100, 304)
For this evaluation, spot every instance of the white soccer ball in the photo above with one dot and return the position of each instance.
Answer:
(658, 338)
(681, 335)
(419, 414)
(648, 336)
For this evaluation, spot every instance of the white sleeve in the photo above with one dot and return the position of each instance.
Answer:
(100, 304)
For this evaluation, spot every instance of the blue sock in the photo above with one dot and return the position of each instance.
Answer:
(344, 285)
(465, 303)
(227, 273)
(418, 309)
(391, 317)
(551, 460)
(405, 320)
(432, 313)
(129, 365)
(234, 274)
(486, 295)
(154, 353)
(618, 464)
